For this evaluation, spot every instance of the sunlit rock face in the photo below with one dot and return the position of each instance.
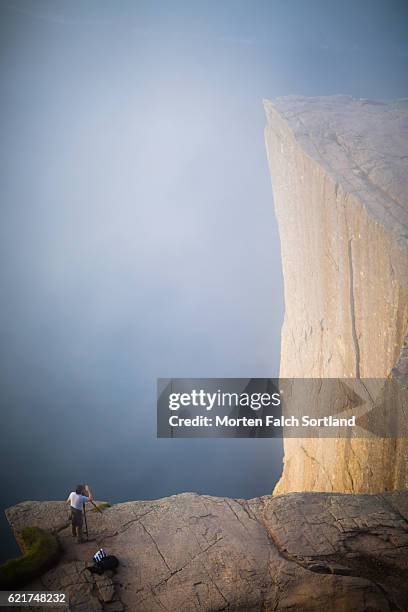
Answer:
(339, 169)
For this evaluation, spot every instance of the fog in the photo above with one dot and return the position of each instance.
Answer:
(138, 237)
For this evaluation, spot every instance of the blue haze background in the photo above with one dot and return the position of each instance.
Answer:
(137, 234)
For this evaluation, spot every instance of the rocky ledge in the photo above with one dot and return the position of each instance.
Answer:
(299, 551)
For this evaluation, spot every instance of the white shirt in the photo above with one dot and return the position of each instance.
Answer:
(77, 501)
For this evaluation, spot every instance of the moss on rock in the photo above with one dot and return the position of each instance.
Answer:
(100, 506)
(41, 551)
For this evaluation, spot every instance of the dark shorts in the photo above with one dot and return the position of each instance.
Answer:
(76, 517)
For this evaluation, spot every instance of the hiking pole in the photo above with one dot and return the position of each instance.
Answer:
(96, 507)
(86, 524)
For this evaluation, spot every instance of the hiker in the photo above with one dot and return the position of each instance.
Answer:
(77, 499)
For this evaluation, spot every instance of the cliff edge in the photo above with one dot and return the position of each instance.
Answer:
(308, 552)
(339, 169)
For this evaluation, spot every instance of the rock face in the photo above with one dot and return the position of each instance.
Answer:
(339, 170)
(308, 552)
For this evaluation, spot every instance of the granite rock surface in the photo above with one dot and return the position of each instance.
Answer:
(305, 551)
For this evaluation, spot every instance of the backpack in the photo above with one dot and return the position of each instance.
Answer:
(102, 562)
(110, 562)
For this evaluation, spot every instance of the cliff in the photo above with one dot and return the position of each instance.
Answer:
(339, 170)
(308, 552)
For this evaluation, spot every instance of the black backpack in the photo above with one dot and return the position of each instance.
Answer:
(110, 562)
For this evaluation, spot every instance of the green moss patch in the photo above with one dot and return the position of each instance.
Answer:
(42, 551)
(100, 506)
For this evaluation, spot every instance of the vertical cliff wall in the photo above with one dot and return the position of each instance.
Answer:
(339, 169)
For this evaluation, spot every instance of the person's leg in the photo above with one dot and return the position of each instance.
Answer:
(77, 524)
(80, 536)
(73, 527)
(79, 529)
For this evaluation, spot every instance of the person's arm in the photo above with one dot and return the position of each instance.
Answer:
(69, 498)
(88, 493)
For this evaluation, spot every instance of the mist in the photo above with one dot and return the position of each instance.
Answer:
(138, 238)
